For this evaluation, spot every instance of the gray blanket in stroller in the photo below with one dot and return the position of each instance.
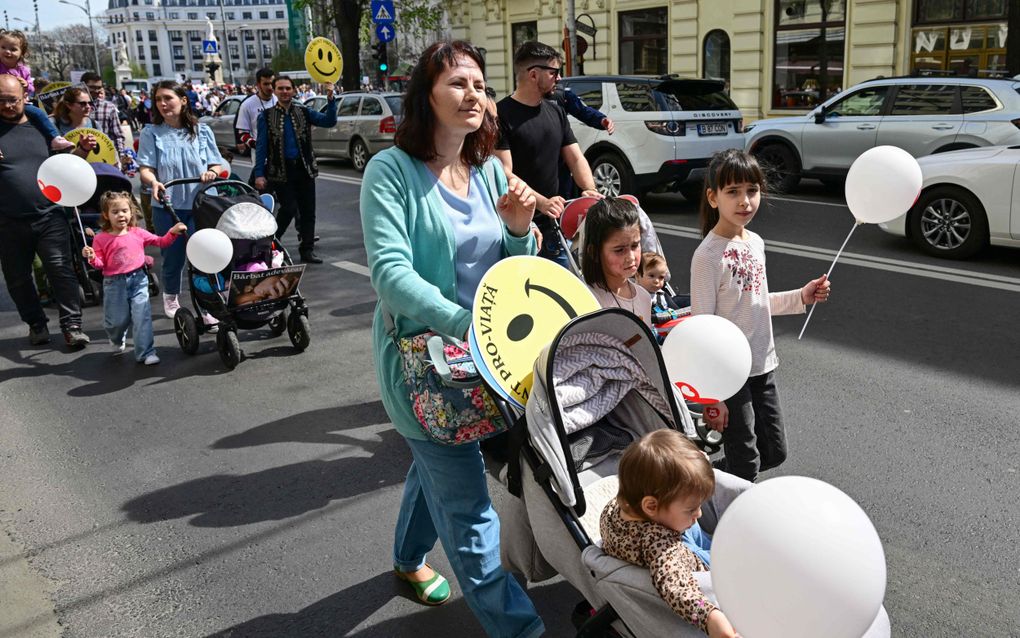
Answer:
(592, 373)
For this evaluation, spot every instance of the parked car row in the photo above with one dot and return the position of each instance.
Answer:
(365, 125)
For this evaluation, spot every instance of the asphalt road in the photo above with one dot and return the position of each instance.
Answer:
(185, 500)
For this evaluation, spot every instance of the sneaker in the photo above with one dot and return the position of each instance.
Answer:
(118, 348)
(38, 335)
(211, 322)
(309, 257)
(151, 360)
(170, 305)
(75, 338)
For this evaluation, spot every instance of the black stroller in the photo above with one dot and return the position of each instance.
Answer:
(221, 294)
(90, 280)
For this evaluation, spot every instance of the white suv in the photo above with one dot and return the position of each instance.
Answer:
(922, 115)
(666, 128)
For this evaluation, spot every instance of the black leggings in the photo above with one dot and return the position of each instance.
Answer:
(754, 440)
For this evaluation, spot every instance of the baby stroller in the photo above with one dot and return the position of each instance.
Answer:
(90, 280)
(563, 460)
(252, 233)
(571, 224)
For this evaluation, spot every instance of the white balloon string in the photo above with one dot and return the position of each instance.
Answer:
(85, 242)
(833, 265)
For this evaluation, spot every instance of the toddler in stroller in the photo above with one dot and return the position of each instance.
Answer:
(652, 275)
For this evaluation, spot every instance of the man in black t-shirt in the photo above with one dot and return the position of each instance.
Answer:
(535, 135)
(30, 223)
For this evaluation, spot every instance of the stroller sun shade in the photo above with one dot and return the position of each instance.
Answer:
(247, 221)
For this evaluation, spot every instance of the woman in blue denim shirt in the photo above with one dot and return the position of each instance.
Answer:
(174, 147)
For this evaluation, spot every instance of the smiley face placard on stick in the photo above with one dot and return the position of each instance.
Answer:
(520, 306)
(323, 61)
(104, 151)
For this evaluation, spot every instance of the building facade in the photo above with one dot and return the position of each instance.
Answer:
(779, 57)
(166, 37)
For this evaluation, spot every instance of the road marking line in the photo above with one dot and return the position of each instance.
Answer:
(943, 273)
(353, 267)
(344, 179)
(802, 201)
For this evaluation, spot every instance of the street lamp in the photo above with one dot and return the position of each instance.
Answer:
(225, 45)
(88, 11)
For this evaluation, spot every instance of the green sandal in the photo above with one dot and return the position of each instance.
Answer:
(434, 591)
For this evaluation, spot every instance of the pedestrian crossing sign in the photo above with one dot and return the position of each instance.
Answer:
(382, 11)
(209, 47)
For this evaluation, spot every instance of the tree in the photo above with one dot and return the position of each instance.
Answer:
(287, 60)
(66, 49)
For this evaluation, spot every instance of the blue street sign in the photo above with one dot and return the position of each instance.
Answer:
(209, 47)
(382, 11)
(385, 32)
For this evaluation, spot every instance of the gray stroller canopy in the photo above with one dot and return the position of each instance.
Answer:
(247, 221)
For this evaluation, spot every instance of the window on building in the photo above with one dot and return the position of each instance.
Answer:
(267, 51)
(263, 15)
(249, 50)
(138, 36)
(716, 55)
(154, 50)
(246, 15)
(141, 52)
(178, 68)
(233, 51)
(810, 41)
(966, 50)
(924, 99)
(210, 15)
(135, 15)
(232, 37)
(149, 15)
(174, 15)
(264, 34)
(194, 35)
(196, 51)
(175, 36)
(178, 52)
(196, 67)
(279, 15)
(157, 70)
(249, 35)
(643, 36)
(192, 15)
(230, 15)
(521, 32)
(152, 36)
(934, 11)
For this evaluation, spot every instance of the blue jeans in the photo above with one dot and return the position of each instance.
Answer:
(552, 249)
(126, 303)
(446, 498)
(174, 256)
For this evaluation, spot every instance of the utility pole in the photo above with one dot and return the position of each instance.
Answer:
(226, 54)
(571, 38)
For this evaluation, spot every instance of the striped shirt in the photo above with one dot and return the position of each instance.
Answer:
(107, 119)
(728, 279)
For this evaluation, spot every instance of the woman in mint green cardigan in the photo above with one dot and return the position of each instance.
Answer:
(437, 212)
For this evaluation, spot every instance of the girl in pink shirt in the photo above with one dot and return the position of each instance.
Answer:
(119, 252)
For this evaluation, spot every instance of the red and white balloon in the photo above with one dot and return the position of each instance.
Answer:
(66, 179)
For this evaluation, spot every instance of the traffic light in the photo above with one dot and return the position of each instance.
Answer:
(380, 55)
(212, 67)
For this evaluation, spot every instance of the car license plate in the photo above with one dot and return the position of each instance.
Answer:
(712, 129)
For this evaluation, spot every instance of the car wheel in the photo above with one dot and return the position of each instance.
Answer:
(359, 155)
(612, 176)
(949, 222)
(781, 166)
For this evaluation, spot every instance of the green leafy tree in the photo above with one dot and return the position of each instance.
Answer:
(287, 59)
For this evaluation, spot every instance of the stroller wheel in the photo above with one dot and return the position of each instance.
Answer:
(278, 324)
(229, 347)
(153, 283)
(186, 330)
(298, 330)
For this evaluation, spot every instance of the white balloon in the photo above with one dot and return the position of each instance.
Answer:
(225, 170)
(794, 557)
(66, 179)
(883, 183)
(209, 250)
(707, 358)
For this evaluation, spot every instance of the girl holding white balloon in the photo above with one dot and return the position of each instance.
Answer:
(119, 252)
(176, 146)
(728, 279)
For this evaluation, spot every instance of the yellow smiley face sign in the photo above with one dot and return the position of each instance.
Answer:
(323, 61)
(520, 306)
(104, 152)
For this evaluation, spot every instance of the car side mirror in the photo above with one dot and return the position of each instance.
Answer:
(820, 116)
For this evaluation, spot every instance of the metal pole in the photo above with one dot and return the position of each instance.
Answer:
(571, 38)
(226, 54)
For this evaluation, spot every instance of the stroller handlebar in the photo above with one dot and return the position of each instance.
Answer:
(165, 200)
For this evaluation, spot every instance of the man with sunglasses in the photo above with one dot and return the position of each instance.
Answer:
(534, 135)
(104, 113)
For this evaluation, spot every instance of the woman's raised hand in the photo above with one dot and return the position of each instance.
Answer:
(517, 207)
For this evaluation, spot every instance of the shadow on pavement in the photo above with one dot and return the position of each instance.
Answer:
(342, 613)
(228, 500)
(315, 426)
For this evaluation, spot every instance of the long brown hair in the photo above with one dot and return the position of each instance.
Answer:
(604, 218)
(62, 109)
(188, 120)
(416, 132)
(733, 166)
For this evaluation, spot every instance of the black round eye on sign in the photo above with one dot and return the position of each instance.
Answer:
(521, 326)
(320, 54)
(329, 56)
